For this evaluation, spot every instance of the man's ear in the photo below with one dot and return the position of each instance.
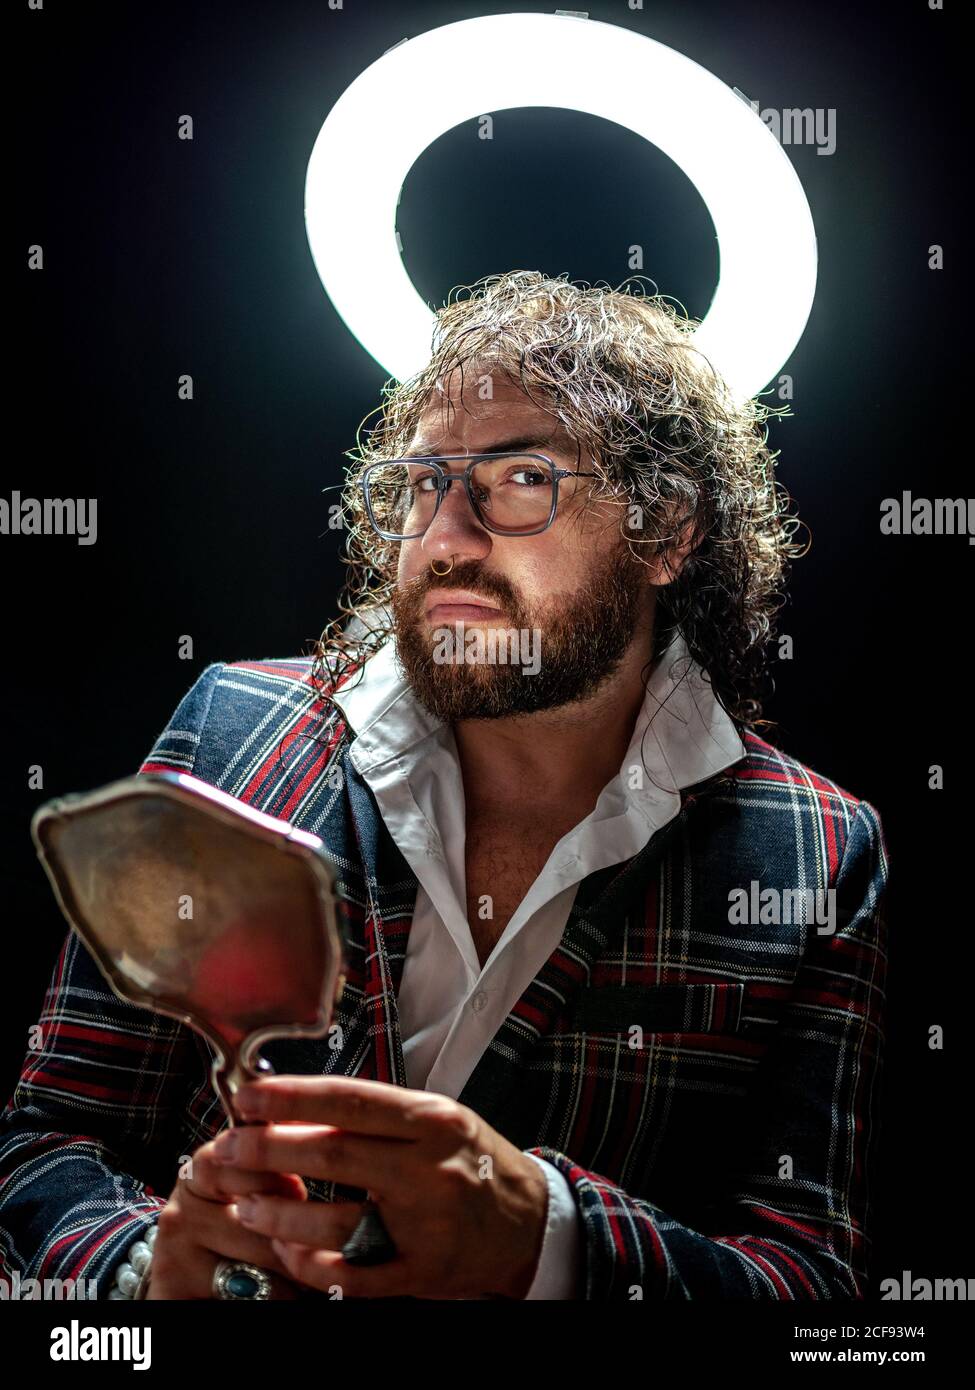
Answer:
(674, 550)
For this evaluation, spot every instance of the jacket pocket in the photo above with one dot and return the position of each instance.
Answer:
(672, 1008)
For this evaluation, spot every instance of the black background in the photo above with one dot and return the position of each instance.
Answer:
(164, 257)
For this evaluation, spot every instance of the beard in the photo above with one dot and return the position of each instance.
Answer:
(581, 643)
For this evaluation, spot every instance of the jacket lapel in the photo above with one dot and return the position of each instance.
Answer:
(376, 894)
(390, 888)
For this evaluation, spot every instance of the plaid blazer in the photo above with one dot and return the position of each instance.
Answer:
(708, 1089)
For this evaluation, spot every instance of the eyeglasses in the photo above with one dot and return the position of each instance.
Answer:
(510, 494)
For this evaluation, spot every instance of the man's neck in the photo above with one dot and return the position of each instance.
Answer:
(561, 757)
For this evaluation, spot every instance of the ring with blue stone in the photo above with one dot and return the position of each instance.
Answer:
(234, 1279)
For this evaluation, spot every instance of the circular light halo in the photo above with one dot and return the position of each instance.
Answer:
(422, 87)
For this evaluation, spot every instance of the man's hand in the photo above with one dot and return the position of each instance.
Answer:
(199, 1226)
(465, 1208)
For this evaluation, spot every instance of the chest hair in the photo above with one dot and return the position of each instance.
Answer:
(503, 858)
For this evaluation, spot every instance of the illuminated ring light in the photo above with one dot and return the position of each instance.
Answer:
(425, 86)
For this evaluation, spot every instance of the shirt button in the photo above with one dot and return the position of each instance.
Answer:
(479, 1000)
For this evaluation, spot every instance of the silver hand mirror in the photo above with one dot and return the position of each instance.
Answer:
(197, 905)
(201, 907)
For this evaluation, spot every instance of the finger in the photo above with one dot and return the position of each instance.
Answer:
(326, 1225)
(226, 1183)
(215, 1181)
(381, 1165)
(289, 1185)
(367, 1107)
(329, 1271)
(239, 1181)
(187, 1273)
(217, 1227)
(181, 1270)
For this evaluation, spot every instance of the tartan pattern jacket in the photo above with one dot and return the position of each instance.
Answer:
(710, 1091)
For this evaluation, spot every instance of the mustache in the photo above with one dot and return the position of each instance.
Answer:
(466, 576)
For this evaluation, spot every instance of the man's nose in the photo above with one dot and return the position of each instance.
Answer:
(455, 530)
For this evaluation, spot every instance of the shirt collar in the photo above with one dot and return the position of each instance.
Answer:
(691, 737)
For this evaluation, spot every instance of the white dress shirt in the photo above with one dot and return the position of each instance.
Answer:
(450, 1007)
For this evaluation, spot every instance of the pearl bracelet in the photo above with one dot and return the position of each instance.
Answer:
(132, 1275)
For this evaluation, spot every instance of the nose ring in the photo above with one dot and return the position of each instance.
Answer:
(433, 566)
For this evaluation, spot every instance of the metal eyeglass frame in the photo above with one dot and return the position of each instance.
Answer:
(445, 479)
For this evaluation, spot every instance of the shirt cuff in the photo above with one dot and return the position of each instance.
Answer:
(559, 1271)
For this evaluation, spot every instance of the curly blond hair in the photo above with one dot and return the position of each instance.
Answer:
(669, 443)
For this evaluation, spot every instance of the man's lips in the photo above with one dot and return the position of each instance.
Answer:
(459, 605)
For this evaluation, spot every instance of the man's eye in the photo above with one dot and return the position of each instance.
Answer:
(527, 477)
(420, 484)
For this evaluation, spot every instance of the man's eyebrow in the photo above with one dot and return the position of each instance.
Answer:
(513, 445)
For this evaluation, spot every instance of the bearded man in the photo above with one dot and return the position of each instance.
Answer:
(589, 1045)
